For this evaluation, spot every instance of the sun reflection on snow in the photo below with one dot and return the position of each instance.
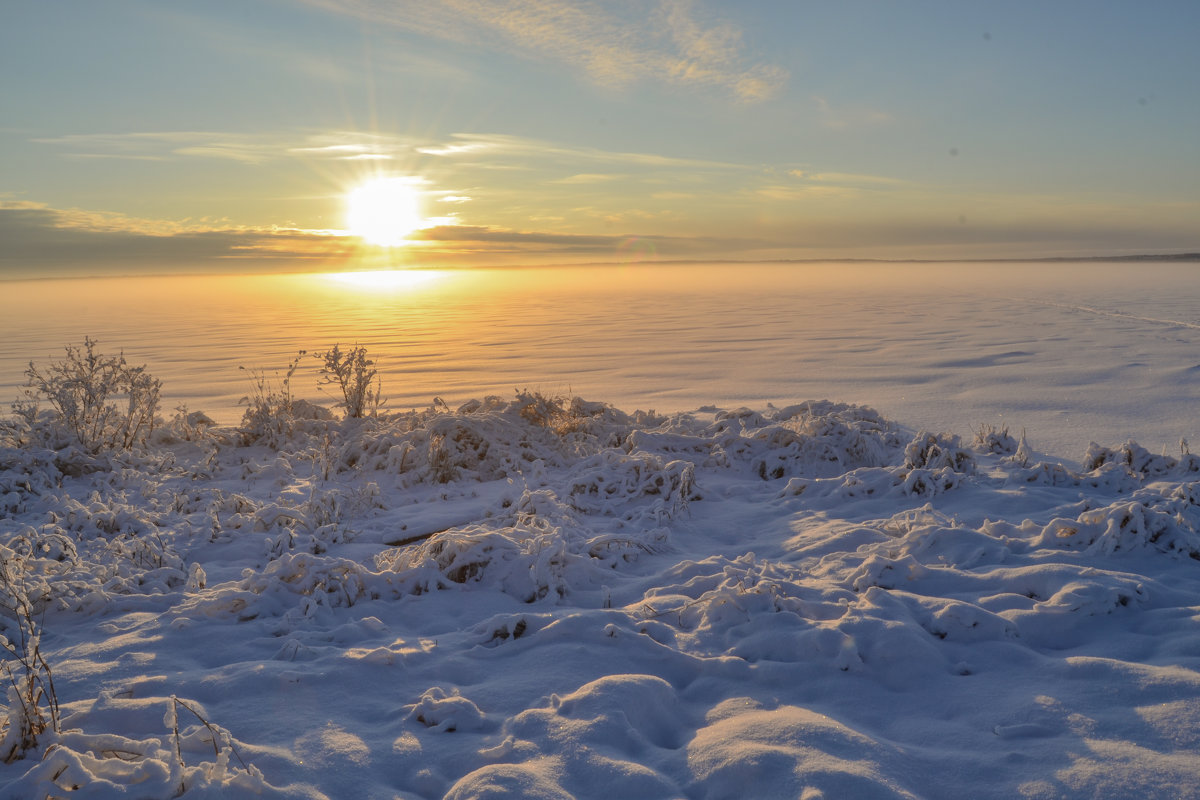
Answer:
(385, 279)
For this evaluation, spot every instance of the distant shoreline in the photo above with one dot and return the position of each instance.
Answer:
(1164, 258)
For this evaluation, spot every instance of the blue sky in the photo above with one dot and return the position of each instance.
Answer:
(160, 136)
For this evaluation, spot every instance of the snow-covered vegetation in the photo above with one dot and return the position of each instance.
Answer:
(543, 597)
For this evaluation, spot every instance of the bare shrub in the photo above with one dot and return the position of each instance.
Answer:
(270, 407)
(990, 439)
(556, 413)
(32, 701)
(84, 389)
(218, 737)
(356, 376)
(935, 451)
(441, 461)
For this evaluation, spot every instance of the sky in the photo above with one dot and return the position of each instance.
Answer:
(227, 135)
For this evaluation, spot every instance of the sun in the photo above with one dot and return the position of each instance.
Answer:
(383, 211)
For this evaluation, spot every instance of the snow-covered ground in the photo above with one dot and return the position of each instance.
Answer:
(512, 601)
(523, 598)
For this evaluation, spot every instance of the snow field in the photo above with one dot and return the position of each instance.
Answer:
(544, 598)
(1069, 353)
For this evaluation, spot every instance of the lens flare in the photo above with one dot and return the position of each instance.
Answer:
(635, 250)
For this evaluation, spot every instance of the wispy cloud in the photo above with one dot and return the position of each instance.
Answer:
(587, 178)
(491, 150)
(502, 145)
(167, 145)
(807, 192)
(230, 146)
(616, 43)
(853, 178)
(809, 185)
(841, 118)
(346, 145)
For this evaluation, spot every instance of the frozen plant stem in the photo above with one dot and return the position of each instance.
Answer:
(356, 376)
(269, 409)
(31, 694)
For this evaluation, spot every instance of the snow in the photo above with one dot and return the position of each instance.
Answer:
(518, 597)
(1067, 352)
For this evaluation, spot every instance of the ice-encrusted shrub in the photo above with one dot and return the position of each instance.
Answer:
(610, 480)
(355, 375)
(268, 405)
(481, 440)
(220, 739)
(990, 439)
(813, 439)
(441, 462)
(141, 564)
(526, 554)
(446, 711)
(53, 572)
(559, 414)
(103, 402)
(1137, 459)
(929, 482)
(271, 410)
(193, 758)
(32, 703)
(322, 581)
(740, 418)
(26, 472)
(1125, 526)
(437, 447)
(539, 549)
(936, 451)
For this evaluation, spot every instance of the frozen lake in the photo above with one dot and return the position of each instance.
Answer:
(1067, 352)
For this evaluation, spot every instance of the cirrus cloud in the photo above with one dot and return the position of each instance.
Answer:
(616, 43)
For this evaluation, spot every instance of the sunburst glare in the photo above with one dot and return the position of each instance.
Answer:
(384, 211)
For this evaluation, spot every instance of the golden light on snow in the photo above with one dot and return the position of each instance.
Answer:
(384, 279)
(383, 211)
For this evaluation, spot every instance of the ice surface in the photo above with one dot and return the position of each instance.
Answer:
(1069, 353)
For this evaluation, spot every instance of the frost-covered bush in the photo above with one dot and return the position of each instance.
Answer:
(32, 704)
(1123, 526)
(814, 439)
(559, 414)
(1137, 459)
(355, 375)
(990, 439)
(101, 400)
(938, 451)
(271, 410)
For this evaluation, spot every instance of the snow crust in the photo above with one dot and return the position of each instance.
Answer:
(521, 599)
